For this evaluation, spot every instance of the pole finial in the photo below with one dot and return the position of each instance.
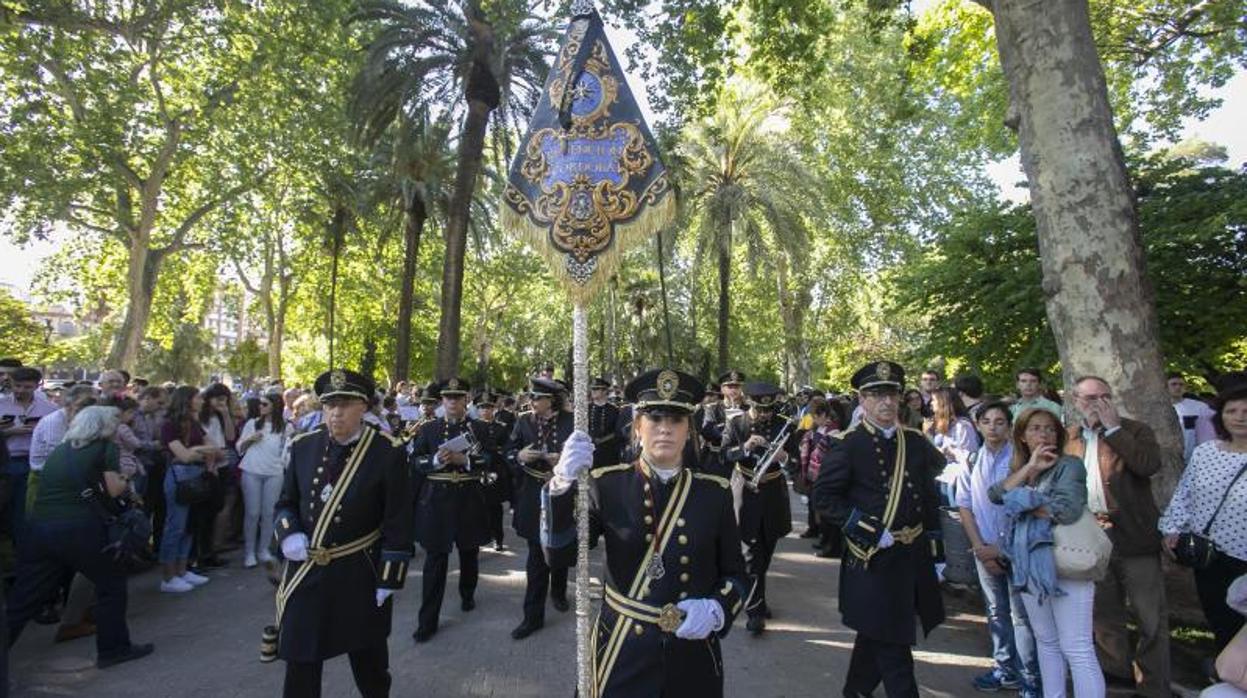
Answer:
(582, 8)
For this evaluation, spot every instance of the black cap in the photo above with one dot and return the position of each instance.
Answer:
(732, 378)
(879, 374)
(545, 387)
(431, 393)
(762, 394)
(453, 387)
(486, 399)
(341, 382)
(664, 391)
(600, 383)
(713, 389)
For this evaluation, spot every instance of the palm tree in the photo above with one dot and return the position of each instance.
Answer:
(342, 194)
(456, 58)
(416, 161)
(743, 184)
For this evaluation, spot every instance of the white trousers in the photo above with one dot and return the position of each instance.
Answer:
(1062, 628)
(259, 496)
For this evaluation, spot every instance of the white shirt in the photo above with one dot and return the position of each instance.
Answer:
(47, 436)
(264, 457)
(1195, 420)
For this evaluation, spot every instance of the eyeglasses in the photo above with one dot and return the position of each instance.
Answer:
(881, 395)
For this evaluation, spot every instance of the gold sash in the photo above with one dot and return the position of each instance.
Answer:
(894, 500)
(317, 554)
(640, 583)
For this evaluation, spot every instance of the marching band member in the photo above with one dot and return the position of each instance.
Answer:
(675, 575)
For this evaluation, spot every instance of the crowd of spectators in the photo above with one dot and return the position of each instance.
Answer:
(204, 465)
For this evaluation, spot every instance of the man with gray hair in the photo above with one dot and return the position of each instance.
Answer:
(1121, 456)
(111, 382)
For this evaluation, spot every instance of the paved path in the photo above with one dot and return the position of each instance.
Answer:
(207, 642)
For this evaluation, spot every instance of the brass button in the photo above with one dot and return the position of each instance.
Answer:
(321, 469)
(337, 519)
(646, 487)
(883, 473)
(315, 481)
(684, 559)
(648, 504)
(679, 522)
(638, 629)
(649, 519)
(649, 537)
(683, 539)
(683, 595)
(684, 576)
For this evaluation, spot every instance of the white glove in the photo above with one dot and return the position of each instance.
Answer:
(294, 547)
(886, 540)
(382, 595)
(702, 617)
(577, 456)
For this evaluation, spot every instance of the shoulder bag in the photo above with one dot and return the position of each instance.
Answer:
(193, 490)
(128, 527)
(1197, 550)
(1081, 549)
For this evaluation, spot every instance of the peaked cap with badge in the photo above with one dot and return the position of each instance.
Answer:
(666, 391)
(341, 382)
(879, 374)
(454, 387)
(762, 394)
(731, 378)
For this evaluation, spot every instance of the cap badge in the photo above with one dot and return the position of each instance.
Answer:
(668, 384)
(883, 371)
(453, 384)
(337, 379)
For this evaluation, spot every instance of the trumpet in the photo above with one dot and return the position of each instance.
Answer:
(768, 456)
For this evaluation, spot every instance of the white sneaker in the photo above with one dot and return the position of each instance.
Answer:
(193, 579)
(175, 585)
(249, 561)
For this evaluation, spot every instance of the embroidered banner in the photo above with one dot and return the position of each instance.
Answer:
(587, 180)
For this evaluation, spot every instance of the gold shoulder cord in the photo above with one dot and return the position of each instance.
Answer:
(640, 583)
(291, 582)
(894, 500)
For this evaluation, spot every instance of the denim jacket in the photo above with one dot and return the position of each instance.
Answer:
(1063, 491)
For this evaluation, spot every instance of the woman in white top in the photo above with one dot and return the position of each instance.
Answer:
(952, 432)
(1216, 477)
(262, 445)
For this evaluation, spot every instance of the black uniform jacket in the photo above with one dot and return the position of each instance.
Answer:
(709, 420)
(603, 427)
(765, 515)
(450, 500)
(493, 437)
(547, 435)
(702, 559)
(879, 598)
(333, 608)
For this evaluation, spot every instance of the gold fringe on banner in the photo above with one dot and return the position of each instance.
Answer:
(649, 221)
